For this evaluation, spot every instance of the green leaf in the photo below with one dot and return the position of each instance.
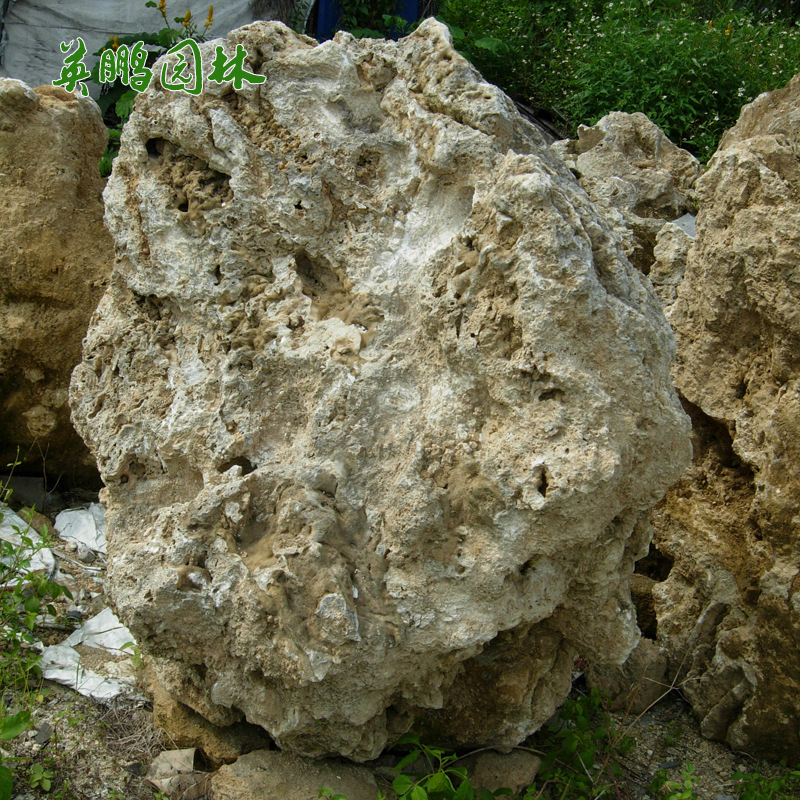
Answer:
(464, 792)
(124, 105)
(12, 726)
(6, 783)
(410, 758)
(438, 782)
(151, 4)
(418, 793)
(402, 783)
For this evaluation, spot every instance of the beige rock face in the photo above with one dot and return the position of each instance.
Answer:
(378, 400)
(269, 774)
(637, 177)
(729, 612)
(55, 258)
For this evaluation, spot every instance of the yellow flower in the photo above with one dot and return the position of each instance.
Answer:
(728, 30)
(711, 24)
(210, 19)
(162, 7)
(187, 19)
(115, 43)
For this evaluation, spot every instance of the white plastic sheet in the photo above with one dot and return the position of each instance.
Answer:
(84, 526)
(62, 662)
(43, 560)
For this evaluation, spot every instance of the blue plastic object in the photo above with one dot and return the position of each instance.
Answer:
(330, 12)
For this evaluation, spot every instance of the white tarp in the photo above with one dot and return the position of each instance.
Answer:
(33, 29)
(43, 560)
(62, 662)
(84, 526)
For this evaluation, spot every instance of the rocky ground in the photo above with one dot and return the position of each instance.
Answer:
(99, 753)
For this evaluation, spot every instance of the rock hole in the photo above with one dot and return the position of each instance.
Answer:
(155, 146)
(709, 436)
(317, 277)
(540, 480)
(241, 461)
(655, 565)
(217, 274)
(551, 394)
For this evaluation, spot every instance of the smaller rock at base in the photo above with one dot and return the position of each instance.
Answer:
(186, 728)
(515, 770)
(273, 775)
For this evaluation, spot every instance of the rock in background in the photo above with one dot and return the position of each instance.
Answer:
(637, 178)
(55, 258)
(729, 611)
(380, 403)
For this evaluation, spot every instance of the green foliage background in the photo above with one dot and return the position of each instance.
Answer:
(688, 64)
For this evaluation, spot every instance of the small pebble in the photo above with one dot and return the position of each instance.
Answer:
(42, 736)
(86, 554)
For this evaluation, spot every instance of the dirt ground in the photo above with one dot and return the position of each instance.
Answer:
(103, 753)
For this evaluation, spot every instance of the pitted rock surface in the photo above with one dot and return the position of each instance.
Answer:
(729, 611)
(55, 259)
(379, 401)
(636, 176)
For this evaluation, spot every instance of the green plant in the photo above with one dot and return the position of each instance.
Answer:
(24, 594)
(440, 780)
(40, 778)
(11, 726)
(116, 101)
(688, 64)
(136, 653)
(375, 18)
(754, 786)
(675, 790)
(672, 734)
(582, 752)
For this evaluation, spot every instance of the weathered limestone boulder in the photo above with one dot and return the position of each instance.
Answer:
(377, 397)
(635, 175)
(729, 611)
(55, 258)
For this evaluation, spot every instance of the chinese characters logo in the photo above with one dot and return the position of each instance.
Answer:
(129, 64)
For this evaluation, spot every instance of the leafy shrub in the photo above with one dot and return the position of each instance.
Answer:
(24, 594)
(580, 59)
(689, 75)
(116, 101)
(754, 786)
(582, 752)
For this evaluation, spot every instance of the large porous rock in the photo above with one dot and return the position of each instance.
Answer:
(377, 397)
(635, 175)
(55, 259)
(729, 610)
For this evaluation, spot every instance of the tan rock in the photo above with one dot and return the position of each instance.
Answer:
(55, 258)
(272, 775)
(515, 770)
(636, 176)
(184, 727)
(380, 403)
(637, 684)
(729, 612)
